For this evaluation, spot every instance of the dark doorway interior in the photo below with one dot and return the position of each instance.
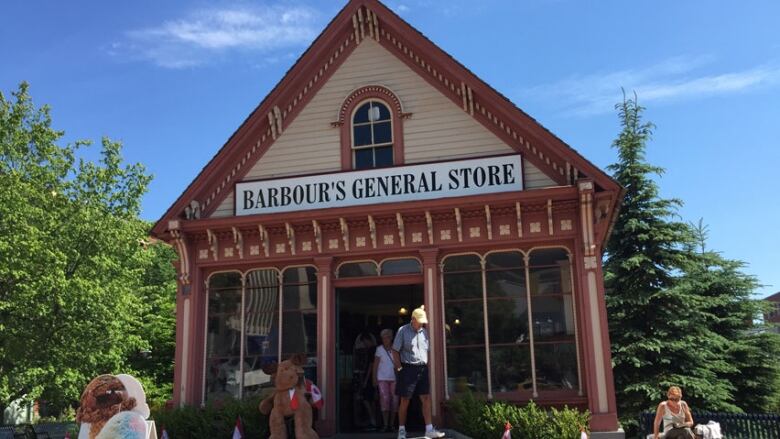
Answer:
(362, 313)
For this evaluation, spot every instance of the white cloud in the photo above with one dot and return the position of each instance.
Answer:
(207, 34)
(671, 80)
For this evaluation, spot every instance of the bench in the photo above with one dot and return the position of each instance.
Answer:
(732, 425)
(7, 431)
(38, 431)
(55, 430)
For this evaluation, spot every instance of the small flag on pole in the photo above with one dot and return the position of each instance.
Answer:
(507, 431)
(67, 435)
(238, 432)
(316, 396)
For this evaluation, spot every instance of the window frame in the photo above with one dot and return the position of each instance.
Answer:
(373, 146)
(528, 297)
(345, 117)
(243, 287)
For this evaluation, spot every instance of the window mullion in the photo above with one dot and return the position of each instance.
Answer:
(279, 301)
(243, 338)
(444, 332)
(530, 324)
(576, 329)
(487, 329)
(205, 345)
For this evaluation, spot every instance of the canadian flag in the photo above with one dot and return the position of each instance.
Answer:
(238, 432)
(316, 395)
(507, 431)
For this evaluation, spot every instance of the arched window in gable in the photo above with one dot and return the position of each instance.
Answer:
(371, 121)
(372, 136)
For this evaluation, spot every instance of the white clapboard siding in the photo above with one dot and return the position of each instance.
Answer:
(438, 129)
(534, 178)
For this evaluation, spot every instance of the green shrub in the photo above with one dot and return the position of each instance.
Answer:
(214, 421)
(567, 422)
(485, 420)
(464, 413)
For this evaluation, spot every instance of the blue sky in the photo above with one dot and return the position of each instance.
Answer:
(173, 80)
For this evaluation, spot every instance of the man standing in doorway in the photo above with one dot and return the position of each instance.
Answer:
(410, 357)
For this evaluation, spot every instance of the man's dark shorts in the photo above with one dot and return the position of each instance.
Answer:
(412, 380)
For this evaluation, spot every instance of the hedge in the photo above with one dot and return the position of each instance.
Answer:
(214, 421)
(481, 419)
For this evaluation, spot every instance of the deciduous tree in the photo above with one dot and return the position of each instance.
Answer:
(77, 287)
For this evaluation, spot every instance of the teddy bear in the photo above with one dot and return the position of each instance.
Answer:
(113, 407)
(104, 397)
(288, 399)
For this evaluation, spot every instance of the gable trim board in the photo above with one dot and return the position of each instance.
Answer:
(318, 63)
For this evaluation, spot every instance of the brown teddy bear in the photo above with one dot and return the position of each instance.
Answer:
(103, 397)
(288, 399)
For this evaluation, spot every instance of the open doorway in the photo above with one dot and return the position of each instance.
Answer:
(362, 313)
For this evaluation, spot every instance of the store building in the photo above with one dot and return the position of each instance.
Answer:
(378, 175)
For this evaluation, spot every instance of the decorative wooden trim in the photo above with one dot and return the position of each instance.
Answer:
(459, 224)
(180, 245)
(372, 230)
(399, 220)
(344, 232)
(238, 240)
(519, 213)
(468, 98)
(586, 211)
(429, 223)
(290, 237)
(317, 234)
(488, 223)
(550, 227)
(344, 121)
(192, 211)
(264, 239)
(213, 244)
(525, 198)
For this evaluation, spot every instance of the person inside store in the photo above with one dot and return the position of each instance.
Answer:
(384, 379)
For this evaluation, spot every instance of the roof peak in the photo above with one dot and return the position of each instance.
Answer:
(356, 22)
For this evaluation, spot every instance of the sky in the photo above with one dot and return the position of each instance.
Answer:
(173, 80)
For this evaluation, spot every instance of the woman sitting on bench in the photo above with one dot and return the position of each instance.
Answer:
(676, 416)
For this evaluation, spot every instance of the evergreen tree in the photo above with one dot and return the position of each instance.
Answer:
(654, 327)
(749, 352)
(680, 314)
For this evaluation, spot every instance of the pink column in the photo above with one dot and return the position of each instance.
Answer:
(595, 333)
(326, 345)
(430, 258)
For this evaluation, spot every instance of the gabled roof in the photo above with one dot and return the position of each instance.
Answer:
(358, 20)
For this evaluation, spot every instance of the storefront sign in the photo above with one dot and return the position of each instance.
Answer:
(386, 185)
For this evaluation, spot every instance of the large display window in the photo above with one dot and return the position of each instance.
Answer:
(255, 318)
(510, 322)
